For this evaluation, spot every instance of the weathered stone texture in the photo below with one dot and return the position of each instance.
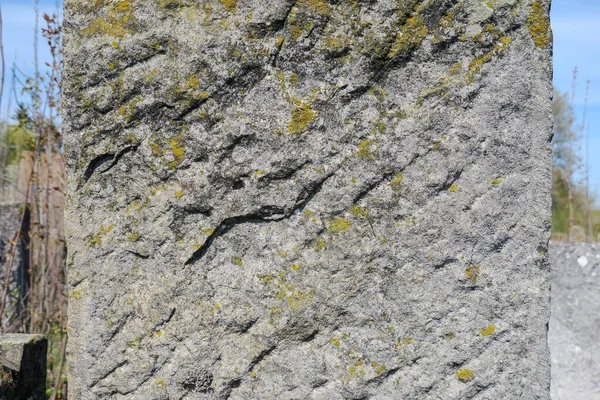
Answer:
(23, 367)
(574, 334)
(308, 199)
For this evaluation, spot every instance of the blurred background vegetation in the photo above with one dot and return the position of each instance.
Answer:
(575, 215)
(33, 293)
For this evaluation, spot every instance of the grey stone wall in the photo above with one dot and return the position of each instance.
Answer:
(574, 335)
(308, 199)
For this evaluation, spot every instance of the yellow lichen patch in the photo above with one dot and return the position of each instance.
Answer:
(396, 182)
(280, 40)
(319, 6)
(366, 149)
(197, 246)
(453, 188)
(339, 225)
(177, 150)
(296, 32)
(539, 25)
(135, 343)
(359, 212)
(97, 239)
(475, 65)
(237, 261)
(207, 232)
(320, 244)
(472, 273)
(496, 182)
(380, 369)
(465, 375)
(302, 115)
(295, 267)
(296, 298)
(179, 194)
(410, 36)
(282, 254)
(75, 294)
(133, 236)
(128, 110)
(192, 82)
(230, 5)
(335, 341)
(488, 331)
(294, 80)
(455, 69)
(160, 382)
(118, 22)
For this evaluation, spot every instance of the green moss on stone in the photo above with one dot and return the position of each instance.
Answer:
(396, 182)
(472, 273)
(366, 149)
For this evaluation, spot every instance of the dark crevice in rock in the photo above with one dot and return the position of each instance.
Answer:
(261, 356)
(164, 321)
(311, 337)
(136, 254)
(265, 214)
(111, 371)
(284, 173)
(248, 77)
(452, 180)
(99, 161)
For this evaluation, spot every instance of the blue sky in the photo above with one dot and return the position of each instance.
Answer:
(18, 19)
(576, 25)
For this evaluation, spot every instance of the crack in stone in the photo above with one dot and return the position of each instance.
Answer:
(99, 161)
(271, 215)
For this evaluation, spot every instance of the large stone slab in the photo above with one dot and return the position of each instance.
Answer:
(574, 325)
(23, 366)
(308, 199)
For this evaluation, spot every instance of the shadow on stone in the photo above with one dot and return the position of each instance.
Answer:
(23, 367)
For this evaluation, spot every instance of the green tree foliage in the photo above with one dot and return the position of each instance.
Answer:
(19, 139)
(560, 205)
(565, 137)
(566, 168)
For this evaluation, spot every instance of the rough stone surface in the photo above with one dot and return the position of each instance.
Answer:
(23, 367)
(308, 199)
(574, 334)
